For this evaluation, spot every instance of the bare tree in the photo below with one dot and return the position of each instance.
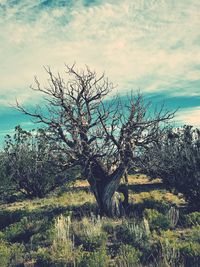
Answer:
(100, 135)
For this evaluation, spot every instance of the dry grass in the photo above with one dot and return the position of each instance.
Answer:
(78, 233)
(79, 197)
(156, 195)
(151, 190)
(75, 198)
(141, 179)
(81, 183)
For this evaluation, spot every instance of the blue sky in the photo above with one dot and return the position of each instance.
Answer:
(151, 45)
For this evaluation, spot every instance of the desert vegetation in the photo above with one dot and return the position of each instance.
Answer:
(64, 229)
(102, 183)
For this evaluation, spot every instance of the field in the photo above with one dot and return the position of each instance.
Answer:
(64, 230)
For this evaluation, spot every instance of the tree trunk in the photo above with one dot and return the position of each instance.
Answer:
(107, 195)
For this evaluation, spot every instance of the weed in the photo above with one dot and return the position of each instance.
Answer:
(10, 255)
(97, 258)
(128, 256)
(192, 219)
(156, 219)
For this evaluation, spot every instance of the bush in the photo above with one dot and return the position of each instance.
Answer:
(11, 216)
(97, 258)
(6, 187)
(176, 159)
(192, 219)
(30, 163)
(108, 227)
(62, 256)
(5, 254)
(190, 249)
(59, 255)
(133, 233)
(61, 250)
(23, 230)
(192, 234)
(128, 256)
(10, 255)
(180, 246)
(157, 220)
(150, 200)
(89, 233)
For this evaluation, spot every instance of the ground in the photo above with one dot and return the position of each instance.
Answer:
(64, 229)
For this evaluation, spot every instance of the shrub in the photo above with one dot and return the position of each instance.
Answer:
(89, 233)
(6, 186)
(157, 220)
(170, 254)
(128, 256)
(192, 234)
(59, 257)
(108, 227)
(97, 258)
(61, 251)
(149, 201)
(11, 216)
(192, 219)
(190, 249)
(176, 159)
(133, 233)
(180, 246)
(23, 230)
(10, 255)
(30, 163)
(5, 254)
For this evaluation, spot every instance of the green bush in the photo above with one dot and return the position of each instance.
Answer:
(149, 203)
(89, 233)
(192, 219)
(108, 227)
(180, 246)
(5, 254)
(59, 255)
(128, 256)
(61, 250)
(133, 233)
(157, 220)
(191, 249)
(8, 217)
(10, 255)
(193, 234)
(97, 258)
(22, 231)
(30, 164)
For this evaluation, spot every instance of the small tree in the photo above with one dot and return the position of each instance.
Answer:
(29, 163)
(176, 159)
(99, 135)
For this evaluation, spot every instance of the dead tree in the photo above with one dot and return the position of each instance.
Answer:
(99, 134)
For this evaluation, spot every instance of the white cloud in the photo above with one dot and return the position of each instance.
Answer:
(189, 116)
(129, 40)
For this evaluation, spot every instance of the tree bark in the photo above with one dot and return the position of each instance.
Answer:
(107, 194)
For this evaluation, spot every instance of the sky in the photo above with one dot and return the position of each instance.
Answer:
(147, 45)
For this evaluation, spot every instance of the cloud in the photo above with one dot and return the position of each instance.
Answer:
(189, 116)
(147, 44)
